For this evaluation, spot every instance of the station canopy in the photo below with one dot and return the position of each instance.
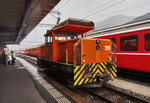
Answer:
(72, 26)
(19, 17)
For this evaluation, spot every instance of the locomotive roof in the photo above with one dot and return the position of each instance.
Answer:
(72, 26)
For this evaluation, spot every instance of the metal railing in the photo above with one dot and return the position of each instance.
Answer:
(75, 52)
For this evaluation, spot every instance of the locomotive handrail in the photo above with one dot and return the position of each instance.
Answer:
(114, 52)
(74, 52)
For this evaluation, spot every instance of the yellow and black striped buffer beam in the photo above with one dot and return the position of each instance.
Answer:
(86, 73)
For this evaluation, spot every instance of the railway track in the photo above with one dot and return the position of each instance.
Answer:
(106, 93)
(112, 95)
(59, 86)
(32, 60)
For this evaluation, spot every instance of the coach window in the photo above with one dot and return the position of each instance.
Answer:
(129, 43)
(147, 42)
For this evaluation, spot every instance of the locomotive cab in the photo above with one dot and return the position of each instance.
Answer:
(88, 61)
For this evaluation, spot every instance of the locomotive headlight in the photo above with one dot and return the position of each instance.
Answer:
(97, 47)
(83, 60)
(110, 58)
(97, 41)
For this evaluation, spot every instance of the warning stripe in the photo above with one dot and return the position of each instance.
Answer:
(114, 69)
(75, 70)
(94, 68)
(107, 70)
(77, 73)
(91, 71)
(111, 70)
(103, 66)
(80, 77)
(115, 65)
(81, 82)
(101, 69)
(86, 80)
(90, 80)
(98, 71)
(94, 71)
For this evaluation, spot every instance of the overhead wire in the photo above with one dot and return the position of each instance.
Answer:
(102, 5)
(72, 11)
(104, 9)
(133, 7)
(59, 4)
(78, 7)
(129, 8)
(64, 4)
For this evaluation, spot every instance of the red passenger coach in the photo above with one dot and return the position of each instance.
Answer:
(33, 51)
(133, 49)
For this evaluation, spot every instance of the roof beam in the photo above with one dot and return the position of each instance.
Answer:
(7, 29)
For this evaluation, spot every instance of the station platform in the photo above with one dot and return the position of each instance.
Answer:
(20, 83)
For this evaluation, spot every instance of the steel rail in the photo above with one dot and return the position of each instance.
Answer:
(118, 92)
(61, 87)
(126, 94)
(99, 96)
(108, 87)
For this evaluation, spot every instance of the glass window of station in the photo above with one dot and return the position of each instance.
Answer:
(147, 42)
(129, 43)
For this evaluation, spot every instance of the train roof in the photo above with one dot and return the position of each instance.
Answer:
(72, 26)
(141, 25)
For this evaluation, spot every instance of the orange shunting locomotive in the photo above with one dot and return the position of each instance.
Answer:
(86, 61)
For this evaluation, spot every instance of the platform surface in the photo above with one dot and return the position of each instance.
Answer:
(16, 86)
(134, 87)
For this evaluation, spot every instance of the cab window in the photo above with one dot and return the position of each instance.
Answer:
(129, 43)
(66, 36)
